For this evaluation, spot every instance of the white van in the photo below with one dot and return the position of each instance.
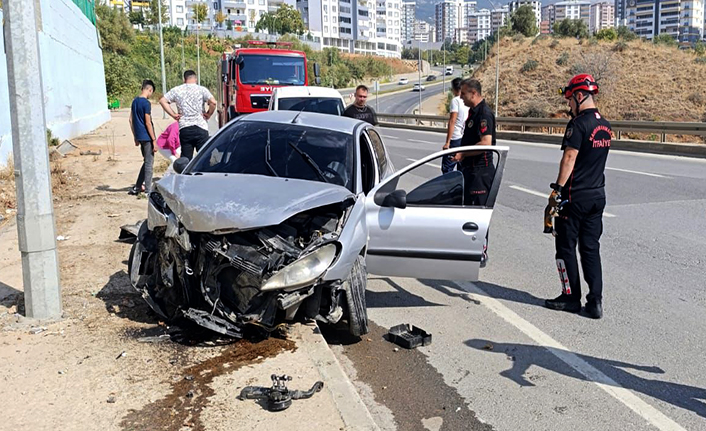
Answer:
(449, 70)
(308, 99)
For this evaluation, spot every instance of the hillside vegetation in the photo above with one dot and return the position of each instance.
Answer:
(638, 80)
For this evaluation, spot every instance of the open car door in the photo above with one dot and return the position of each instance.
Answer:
(424, 224)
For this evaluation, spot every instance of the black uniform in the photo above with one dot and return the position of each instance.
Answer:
(581, 217)
(478, 170)
(365, 113)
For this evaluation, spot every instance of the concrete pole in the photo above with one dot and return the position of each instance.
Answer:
(198, 53)
(497, 75)
(419, 52)
(35, 211)
(161, 55)
(443, 72)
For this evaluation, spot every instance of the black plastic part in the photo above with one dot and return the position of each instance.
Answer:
(408, 338)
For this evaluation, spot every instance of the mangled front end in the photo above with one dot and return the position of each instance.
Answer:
(230, 278)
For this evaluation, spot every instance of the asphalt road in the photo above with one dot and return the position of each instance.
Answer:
(519, 366)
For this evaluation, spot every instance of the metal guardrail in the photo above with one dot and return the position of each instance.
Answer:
(554, 125)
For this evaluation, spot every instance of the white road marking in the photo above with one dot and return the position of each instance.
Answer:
(637, 172)
(625, 396)
(546, 196)
(426, 164)
(419, 140)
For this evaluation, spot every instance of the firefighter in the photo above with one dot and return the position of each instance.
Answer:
(579, 192)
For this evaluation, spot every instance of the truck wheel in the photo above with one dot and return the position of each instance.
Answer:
(354, 287)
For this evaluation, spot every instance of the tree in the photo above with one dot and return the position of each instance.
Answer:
(524, 21)
(115, 30)
(286, 20)
(153, 13)
(571, 28)
(462, 55)
(229, 25)
(220, 18)
(136, 17)
(626, 34)
(200, 12)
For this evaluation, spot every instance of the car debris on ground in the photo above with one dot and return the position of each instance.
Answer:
(278, 397)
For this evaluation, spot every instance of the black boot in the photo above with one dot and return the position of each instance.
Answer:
(594, 309)
(564, 303)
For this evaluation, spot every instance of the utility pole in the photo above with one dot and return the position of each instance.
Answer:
(161, 55)
(443, 72)
(419, 68)
(183, 66)
(497, 63)
(198, 47)
(35, 210)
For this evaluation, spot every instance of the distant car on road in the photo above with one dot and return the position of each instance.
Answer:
(418, 87)
(403, 81)
(308, 99)
(449, 70)
(431, 78)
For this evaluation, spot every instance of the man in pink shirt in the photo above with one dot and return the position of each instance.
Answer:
(168, 142)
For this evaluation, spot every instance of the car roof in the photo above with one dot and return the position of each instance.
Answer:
(307, 91)
(308, 119)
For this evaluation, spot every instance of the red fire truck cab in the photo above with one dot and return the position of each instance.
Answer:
(249, 75)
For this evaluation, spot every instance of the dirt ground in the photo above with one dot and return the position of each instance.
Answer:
(88, 370)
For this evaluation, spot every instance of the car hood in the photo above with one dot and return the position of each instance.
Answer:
(210, 202)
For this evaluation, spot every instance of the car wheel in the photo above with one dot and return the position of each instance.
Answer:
(354, 287)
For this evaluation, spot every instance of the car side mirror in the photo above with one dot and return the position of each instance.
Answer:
(317, 80)
(180, 164)
(317, 71)
(396, 199)
(239, 60)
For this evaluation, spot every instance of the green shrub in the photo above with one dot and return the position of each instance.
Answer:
(529, 66)
(52, 140)
(697, 99)
(620, 46)
(563, 59)
(700, 48)
(534, 110)
(518, 38)
(608, 34)
(554, 44)
(700, 60)
(664, 39)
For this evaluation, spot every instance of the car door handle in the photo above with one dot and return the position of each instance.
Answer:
(470, 227)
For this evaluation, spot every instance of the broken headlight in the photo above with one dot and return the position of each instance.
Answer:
(303, 271)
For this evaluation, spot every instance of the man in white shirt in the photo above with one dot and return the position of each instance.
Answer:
(458, 113)
(193, 121)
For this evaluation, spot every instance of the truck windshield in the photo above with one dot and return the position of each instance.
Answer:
(322, 105)
(272, 70)
(280, 150)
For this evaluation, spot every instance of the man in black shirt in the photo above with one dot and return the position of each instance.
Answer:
(477, 166)
(580, 193)
(359, 110)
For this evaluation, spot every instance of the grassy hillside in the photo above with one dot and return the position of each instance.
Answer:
(639, 80)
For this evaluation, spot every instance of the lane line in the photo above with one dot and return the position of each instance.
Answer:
(638, 172)
(546, 195)
(426, 164)
(625, 396)
(419, 140)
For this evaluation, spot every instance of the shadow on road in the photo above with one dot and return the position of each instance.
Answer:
(492, 290)
(107, 188)
(524, 356)
(400, 298)
(121, 299)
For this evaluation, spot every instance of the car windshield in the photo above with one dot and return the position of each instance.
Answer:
(280, 150)
(322, 105)
(272, 69)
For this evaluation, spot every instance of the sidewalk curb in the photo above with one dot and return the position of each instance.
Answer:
(353, 411)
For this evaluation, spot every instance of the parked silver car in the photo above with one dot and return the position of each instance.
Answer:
(283, 214)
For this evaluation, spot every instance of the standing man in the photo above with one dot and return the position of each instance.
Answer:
(359, 110)
(458, 113)
(143, 133)
(580, 193)
(193, 121)
(477, 167)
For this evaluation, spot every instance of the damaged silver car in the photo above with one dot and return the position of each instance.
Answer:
(283, 214)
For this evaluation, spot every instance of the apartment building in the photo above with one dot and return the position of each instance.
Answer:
(423, 32)
(572, 9)
(446, 20)
(683, 20)
(498, 18)
(479, 26)
(602, 16)
(620, 7)
(548, 16)
(408, 20)
(534, 4)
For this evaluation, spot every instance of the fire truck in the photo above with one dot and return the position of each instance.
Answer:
(249, 75)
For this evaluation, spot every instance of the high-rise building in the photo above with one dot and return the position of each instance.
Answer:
(498, 18)
(479, 25)
(536, 6)
(355, 26)
(548, 15)
(572, 9)
(602, 16)
(620, 12)
(408, 20)
(683, 20)
(447, 20)
(422, 31)
(176, 9)
(466, 8)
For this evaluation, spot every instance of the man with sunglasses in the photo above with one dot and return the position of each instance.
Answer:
(579, 193)
(359, 110)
